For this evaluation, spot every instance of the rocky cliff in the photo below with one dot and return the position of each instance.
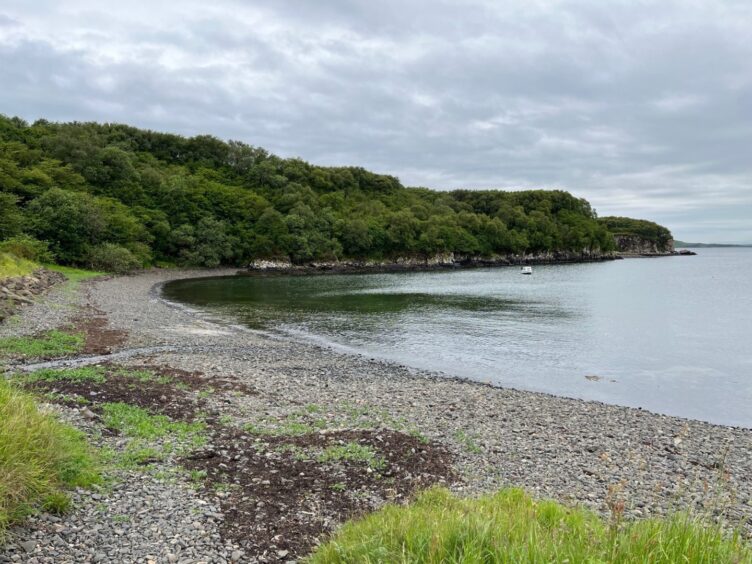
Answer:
(634, 245)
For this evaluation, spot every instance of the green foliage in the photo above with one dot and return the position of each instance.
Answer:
(352, 452)
(138, 423)
(50, 344)
(112, 258)
(27, 247)
(11, 219)
(39, 458)
(74, 275)
(511, 527)
(11, 266)
(639, 227)
(200, 201)
(84, 374)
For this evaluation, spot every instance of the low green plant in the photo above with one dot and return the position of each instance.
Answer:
(352, 452)
(468, 441)
(84, 374)
(512, 527)
(50, 344)
(39, 458)
(142, 375)
(136, 422)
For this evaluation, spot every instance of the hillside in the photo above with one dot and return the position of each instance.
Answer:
(116, 197)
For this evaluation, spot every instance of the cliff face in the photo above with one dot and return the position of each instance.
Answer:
(634, 245)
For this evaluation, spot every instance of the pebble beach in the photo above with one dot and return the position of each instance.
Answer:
(478, 438)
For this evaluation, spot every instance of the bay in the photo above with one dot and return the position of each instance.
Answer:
(670, 334)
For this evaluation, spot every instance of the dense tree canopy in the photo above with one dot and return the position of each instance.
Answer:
(91, 189)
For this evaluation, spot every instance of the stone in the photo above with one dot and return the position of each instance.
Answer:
(29, 545)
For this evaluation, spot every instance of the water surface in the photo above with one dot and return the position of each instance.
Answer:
(667, 334)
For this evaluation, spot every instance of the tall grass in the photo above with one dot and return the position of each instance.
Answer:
(39, 458)
(12, 266)
(511, 527)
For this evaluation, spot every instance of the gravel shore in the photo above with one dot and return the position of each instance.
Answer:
(571, 450)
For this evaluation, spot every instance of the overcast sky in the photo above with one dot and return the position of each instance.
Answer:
(642, 107)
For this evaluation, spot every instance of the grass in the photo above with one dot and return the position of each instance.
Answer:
(74, 275)
(468, 441)
(39, 459)
(511, 527)
(138, 423)
(50, 344)
(12, 266)
(94, 374)
(352, 452)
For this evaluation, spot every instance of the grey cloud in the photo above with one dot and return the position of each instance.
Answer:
(643, 110)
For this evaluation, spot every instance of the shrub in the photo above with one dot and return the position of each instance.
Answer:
(27, 247)
(39, 459)
(112, 258)
(12, 266)
(511, 527)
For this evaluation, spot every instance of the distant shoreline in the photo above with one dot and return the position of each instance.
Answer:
(437, 263)
(684, 245)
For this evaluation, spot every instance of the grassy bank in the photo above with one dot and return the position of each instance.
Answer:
(39, 459)
(12, 266)
(511, 527)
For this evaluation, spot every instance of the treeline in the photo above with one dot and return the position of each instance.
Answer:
(644, 229)
(108, 193)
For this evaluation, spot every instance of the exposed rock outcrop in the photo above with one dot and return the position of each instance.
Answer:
(15, 292)
(433, 262)
(634, 245)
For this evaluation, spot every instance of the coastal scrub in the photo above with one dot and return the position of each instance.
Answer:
(512, 527)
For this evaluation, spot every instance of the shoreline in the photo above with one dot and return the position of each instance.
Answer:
(576, 451)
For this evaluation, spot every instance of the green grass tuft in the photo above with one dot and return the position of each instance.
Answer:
(39, 458)
(511, 527)
(138, 423)
(51, 344)
(84, 374)
(352, 452)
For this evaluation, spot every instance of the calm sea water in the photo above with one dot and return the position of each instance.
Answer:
(671, 335)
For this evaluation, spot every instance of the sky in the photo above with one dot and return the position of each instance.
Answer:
(642, 107)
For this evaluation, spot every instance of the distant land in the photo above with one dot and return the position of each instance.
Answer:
(116, 198)
(686, 245)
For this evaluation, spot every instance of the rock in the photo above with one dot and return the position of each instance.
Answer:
(29, 545)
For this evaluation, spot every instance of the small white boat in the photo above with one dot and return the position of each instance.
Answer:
(527, 270)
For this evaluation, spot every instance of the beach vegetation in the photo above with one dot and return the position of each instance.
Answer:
(50, 344)
(510, 526)
(40, 459)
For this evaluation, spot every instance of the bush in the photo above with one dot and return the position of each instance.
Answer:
(39, 458)
(27, 247)
(511, 527)
(112, 258)
(11, 266)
